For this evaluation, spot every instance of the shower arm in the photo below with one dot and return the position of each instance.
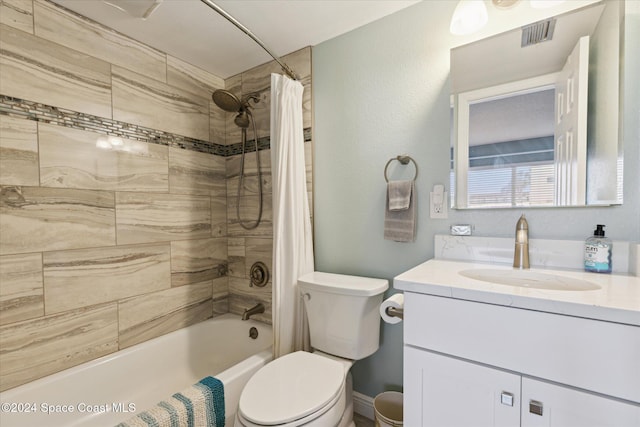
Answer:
(251, 97)
(287, 70)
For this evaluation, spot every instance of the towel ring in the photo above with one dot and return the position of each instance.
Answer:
(403, 160)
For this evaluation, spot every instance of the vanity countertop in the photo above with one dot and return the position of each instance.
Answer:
(617, 299)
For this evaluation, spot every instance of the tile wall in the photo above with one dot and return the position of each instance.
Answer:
(248, 246)
(118, 189)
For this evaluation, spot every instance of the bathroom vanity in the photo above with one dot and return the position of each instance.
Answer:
(542, 348)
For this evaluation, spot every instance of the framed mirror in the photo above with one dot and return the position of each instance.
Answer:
(536, 114)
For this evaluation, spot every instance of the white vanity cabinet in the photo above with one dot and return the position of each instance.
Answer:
(475, 363)
(445, 391)
(564, 407)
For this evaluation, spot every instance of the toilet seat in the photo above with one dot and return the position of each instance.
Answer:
(292, 390)
(327, 416)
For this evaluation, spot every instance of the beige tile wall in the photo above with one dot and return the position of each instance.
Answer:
(248, 246)
(63, 162)
(18, 152)
(35, 348)
(102, 249)
(17, 13)
(39, 70)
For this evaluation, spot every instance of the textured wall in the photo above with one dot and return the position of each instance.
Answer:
(113, 197)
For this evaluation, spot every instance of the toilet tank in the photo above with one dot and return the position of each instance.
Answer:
(343, 313)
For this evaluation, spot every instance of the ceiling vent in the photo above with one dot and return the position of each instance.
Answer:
(538, 32)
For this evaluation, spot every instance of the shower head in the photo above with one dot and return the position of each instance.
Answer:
(227, 101)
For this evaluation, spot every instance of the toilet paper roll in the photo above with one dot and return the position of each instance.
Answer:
(395, 301)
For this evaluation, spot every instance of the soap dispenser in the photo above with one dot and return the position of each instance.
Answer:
(597, 252)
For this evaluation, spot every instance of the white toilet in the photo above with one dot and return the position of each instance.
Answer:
(314, 389)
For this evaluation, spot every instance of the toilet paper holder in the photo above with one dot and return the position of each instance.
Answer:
(392, 309)
(395, 312)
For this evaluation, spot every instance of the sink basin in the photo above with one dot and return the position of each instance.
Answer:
(529, 279)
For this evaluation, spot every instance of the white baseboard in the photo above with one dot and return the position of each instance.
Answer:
(363, 405)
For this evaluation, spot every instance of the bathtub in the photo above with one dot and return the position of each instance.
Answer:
(110, 389)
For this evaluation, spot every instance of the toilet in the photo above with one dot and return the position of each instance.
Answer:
(314, 389)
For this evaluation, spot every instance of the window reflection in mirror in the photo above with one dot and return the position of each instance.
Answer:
(511, 150)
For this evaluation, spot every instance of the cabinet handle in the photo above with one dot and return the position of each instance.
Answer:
(535, 407)
(506, 398)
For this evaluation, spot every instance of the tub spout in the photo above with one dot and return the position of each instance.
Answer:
(256, 309)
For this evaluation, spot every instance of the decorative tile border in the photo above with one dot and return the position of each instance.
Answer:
(16, 107)
(39, 112)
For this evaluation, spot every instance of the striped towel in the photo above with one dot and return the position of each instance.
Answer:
(200, 405)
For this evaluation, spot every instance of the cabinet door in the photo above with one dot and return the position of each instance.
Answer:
(550, 405)
(441, 391)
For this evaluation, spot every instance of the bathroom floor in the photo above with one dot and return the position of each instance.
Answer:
(362, 421)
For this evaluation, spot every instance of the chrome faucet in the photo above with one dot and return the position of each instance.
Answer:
(521, 254)
(256, 309)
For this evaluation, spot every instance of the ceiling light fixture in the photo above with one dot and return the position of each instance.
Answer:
(471, 15)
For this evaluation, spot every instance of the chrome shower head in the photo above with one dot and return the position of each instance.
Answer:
(227, 101)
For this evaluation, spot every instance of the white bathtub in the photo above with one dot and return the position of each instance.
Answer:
(111, 389)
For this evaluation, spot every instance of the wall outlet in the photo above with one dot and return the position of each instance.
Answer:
(438, 202)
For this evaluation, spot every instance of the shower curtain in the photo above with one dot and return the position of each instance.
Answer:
(292, 236)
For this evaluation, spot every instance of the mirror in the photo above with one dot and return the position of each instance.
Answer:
(535, 114)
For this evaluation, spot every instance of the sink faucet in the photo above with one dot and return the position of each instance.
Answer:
(256, 309)
(521, 254)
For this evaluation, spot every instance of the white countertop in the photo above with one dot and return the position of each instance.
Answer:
(617, 300)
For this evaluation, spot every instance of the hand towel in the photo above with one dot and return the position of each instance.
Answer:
(400, 225)
(399, 193)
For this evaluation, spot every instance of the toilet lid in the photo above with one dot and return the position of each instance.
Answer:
(291, 387)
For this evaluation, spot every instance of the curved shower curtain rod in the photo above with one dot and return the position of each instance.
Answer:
(287, 70)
